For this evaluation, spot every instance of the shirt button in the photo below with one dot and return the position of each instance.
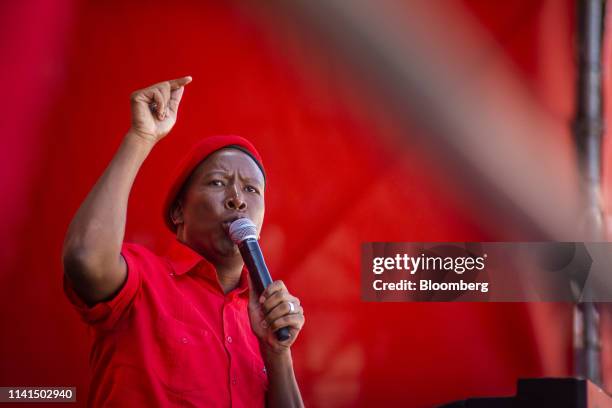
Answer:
(229, 339)
(184, 340)
(234, 381)
(171, 274)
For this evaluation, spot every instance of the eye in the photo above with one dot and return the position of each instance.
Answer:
(251, 189)
(216, 183)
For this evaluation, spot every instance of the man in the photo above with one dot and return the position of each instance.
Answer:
(187, 330)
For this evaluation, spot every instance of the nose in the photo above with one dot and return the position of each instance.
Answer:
(235, 201)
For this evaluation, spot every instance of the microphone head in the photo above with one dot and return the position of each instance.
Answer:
(242, 229)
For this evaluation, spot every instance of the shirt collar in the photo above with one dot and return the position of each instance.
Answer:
(184, 260)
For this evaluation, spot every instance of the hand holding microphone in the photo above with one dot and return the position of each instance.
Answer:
(279, 310)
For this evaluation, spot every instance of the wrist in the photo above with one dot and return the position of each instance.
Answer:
(143, 138)
(275, 356)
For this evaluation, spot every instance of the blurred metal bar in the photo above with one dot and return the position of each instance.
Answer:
(588, 131)
(588, 124)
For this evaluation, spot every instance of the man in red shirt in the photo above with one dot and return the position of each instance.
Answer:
(186, 329)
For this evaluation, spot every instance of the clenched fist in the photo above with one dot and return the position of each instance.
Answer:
(154, 109)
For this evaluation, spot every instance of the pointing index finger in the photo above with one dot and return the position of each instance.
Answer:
(178, 82)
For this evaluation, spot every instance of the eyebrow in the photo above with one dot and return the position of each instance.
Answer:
(224, 173)
(208, 173)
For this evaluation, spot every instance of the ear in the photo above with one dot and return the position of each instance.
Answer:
(177, 213)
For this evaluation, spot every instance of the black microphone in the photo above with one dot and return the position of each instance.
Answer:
(243, 233)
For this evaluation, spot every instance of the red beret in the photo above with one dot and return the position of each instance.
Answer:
(199, 152)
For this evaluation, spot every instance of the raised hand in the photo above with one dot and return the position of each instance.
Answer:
(155, 108)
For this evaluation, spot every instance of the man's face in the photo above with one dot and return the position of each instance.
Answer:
(227, 185)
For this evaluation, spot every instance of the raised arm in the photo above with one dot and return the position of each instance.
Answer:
(91, 253)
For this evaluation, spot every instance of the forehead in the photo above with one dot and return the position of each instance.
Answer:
(230, 160)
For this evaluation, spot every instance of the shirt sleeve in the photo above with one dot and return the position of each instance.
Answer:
(104, 315)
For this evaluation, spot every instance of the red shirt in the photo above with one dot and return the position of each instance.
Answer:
(171, 337)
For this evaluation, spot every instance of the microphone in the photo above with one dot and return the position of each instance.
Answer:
(243, 233)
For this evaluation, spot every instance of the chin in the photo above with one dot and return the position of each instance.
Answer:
(228, 249)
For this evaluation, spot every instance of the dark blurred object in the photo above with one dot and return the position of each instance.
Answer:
(588, 129)
(545, 392)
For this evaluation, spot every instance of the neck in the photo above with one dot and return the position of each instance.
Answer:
(229, 271)
(229, 268)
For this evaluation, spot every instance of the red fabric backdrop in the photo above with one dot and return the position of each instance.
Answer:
(69, 68)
